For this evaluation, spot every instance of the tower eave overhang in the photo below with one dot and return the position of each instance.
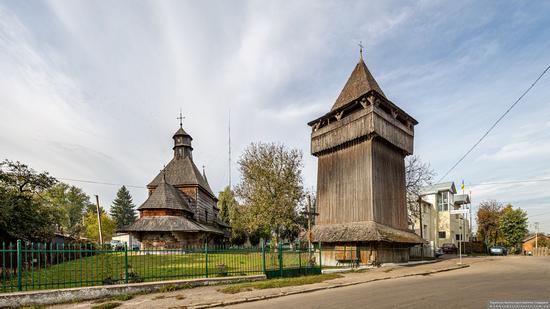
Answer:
(361, 100)
(365, 120)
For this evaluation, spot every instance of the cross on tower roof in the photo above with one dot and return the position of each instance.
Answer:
(181, 119)
(361, 49)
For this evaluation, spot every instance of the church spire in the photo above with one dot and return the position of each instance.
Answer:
(360, 82)
(182, 142)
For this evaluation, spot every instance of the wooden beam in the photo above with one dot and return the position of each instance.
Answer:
(364, 103)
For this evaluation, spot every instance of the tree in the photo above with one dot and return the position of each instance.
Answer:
(23, 179)
(108, 226)
(230, 213)
(417, 175)
(122, 210)
(270, 189)
(72, 203)
(226, 201)
(543, 242)
(23, 211)
(488, 216)
(513, 225)
(302, 219)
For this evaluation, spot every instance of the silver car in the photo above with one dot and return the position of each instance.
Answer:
(498, 250)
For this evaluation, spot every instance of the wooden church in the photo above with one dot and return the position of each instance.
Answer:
(181, 209)
(361, 144)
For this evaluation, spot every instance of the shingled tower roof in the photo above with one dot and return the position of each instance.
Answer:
(166, 196)
(181, 170)
(360, 82)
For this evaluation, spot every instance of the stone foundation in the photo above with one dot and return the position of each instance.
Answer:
(364, 253)
(175, 240)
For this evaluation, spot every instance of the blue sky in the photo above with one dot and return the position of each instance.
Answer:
(91, 89)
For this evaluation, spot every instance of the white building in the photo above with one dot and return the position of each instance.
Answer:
(439, 226)
(126, 238)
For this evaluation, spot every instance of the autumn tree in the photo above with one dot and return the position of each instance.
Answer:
(108, 226)
(123, 209)
(513, 225)
(270, 189)
(488, 217)
(417, 175)
(543, 242)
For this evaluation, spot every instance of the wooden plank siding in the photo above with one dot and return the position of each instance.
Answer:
(389, 184)
(361, 168)
(344, 189)
(369, 120)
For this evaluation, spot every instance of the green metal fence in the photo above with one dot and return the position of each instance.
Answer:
(33, 266)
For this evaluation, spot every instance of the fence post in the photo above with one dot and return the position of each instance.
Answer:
(125, 262)
(299, 256)
(280, 259)
(263, 257)
(206, 258)
(320, 264)
(19, 266)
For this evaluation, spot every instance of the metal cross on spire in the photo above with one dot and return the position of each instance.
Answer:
(361, 49)
(181, 119)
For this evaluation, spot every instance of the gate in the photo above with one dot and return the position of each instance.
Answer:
(283, 262)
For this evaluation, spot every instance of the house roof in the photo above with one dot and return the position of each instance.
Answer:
(165, 196)
(438, 187)
(461, 199)
(182, 171)
(363, 231)
(529, 237)
(170, 224)
(359, 82)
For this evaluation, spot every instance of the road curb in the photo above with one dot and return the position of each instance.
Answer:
(310, 290)
(60, 296)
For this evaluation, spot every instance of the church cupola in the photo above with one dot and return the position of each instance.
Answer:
(182, 143)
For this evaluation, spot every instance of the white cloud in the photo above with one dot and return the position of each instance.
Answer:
(91, 90)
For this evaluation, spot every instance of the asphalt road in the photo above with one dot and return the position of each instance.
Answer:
(499, 279)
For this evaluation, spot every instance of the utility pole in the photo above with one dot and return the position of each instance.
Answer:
(471, 204)
(536, 235)
(421, 228)
(99, 220)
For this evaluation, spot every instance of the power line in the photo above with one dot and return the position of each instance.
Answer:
(101, 183)
(541, 214)
(510, 182)
(495, 124)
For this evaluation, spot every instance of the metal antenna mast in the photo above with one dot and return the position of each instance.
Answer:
(229, 148)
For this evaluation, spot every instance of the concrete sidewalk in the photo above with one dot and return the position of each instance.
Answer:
(206, 297)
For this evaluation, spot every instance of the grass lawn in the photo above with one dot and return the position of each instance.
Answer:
(277, 283)
(109, 268)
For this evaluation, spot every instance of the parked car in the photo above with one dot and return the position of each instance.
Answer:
(449, 248)
(438, 252)
(498, 250)
(135, 247)
(117, 245)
